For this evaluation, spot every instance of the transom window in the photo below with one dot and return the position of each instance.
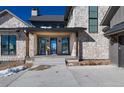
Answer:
(8, 45)
(93, 19)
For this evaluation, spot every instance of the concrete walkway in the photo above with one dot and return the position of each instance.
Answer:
(98, 76)
(83, 76)
(6, 81)
(57, 76)
(61, 76)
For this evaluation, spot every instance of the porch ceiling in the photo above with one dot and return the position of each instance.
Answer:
(53, 33)
(76, 29)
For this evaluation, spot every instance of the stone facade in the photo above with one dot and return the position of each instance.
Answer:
(32, 45)
(95, 45)
(20, 47)
(9, 21)
(98, 47)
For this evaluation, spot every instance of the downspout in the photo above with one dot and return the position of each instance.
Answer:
(76, 44)
(27, 45)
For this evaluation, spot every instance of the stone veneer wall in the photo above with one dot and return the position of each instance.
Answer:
(20, 47)
(73, 44)
(99, 49)
(9, 21)
(31, 45)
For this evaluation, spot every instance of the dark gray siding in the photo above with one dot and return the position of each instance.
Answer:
(118, 17)
(113, 49)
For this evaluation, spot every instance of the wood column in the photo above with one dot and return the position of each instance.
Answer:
(76, 44)
(79, 47)
(80, 51)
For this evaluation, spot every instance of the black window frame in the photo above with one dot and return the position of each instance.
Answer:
(90, 18)
(8, 45)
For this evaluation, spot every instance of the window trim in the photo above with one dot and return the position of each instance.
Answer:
(8, 46)
(92, 18)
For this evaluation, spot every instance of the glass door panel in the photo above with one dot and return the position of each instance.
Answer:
(65, 45)
(53, 45)
(42, 46)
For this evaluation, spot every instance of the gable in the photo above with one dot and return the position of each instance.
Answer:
(8, 20)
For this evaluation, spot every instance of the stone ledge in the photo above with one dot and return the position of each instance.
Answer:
(71, 61)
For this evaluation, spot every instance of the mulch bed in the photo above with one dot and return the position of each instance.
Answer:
(14, 64)
(90, 62)
(95, 62)
(41, 67)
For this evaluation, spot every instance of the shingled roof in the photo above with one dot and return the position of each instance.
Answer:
(48, 18)
(116, 29)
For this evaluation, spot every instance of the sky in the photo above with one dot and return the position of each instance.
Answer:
(24, 12)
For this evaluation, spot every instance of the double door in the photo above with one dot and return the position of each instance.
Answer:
(52, 44)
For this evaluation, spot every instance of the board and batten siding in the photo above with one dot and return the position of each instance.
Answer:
(118, 17)
(114, 48)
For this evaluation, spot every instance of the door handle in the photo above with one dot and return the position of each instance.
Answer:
(119, 48)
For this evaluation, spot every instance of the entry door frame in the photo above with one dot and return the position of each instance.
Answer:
(38, 42)
(56, 44)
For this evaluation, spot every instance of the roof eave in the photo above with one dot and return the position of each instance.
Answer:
(45, 21)
(113, 33)
(75, 29)
(109, 15)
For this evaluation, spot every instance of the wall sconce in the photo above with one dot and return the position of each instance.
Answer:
(59, 40)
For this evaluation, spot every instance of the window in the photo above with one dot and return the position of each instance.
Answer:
(8, 45)
(93, 19)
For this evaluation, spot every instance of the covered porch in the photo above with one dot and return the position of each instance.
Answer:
(60, 41)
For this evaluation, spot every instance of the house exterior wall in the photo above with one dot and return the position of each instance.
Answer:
(73, 44)
(113, 49)
(32, 47)
(9, 21)
(118, 17)
(20, 47)
(98, 48)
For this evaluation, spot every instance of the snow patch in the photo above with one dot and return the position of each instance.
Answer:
(10, 71)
